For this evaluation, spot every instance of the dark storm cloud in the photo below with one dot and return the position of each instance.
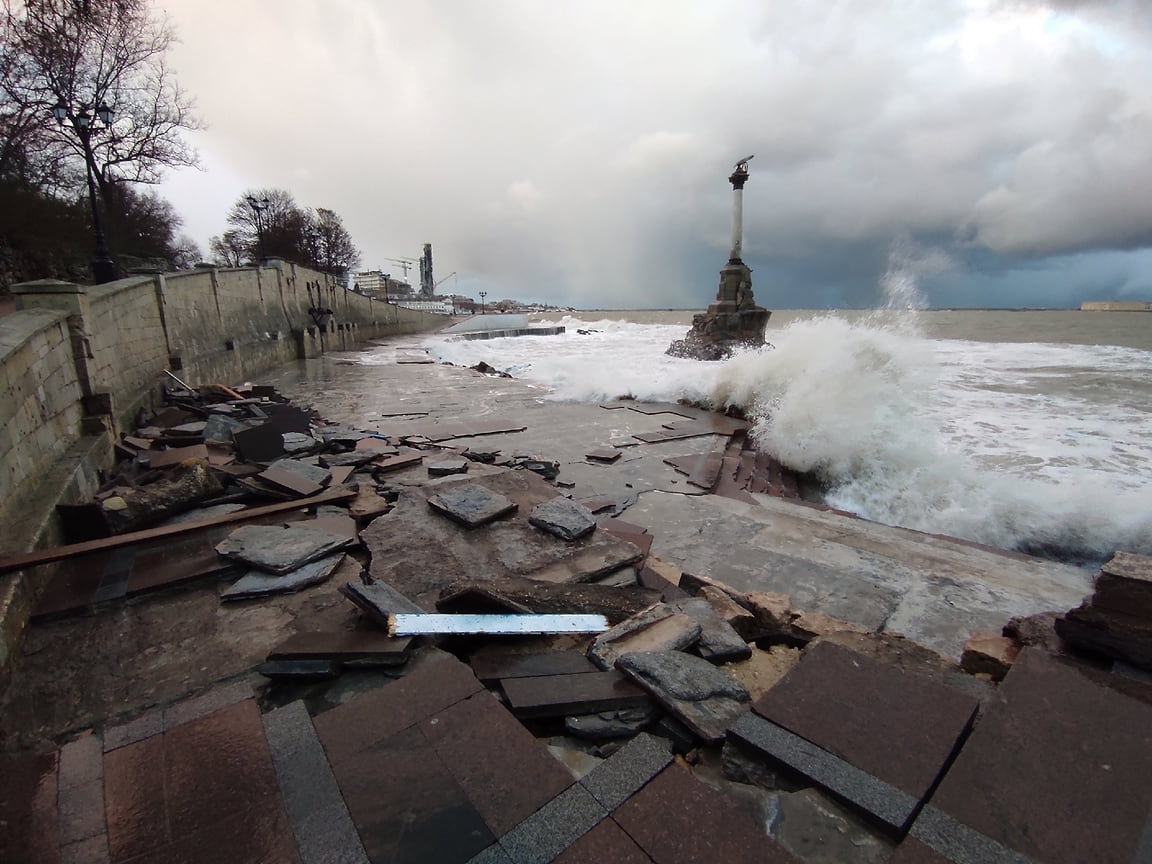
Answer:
(577, 152)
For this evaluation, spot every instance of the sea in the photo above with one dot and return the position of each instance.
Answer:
(1027, 430)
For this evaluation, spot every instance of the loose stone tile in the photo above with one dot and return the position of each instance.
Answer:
(256, 584)
(704, 698)
(858, 707)
(289, 481)
(29, 828)
(445, 467)
(317, 474)
(369, 648)
(606, 725)
(262, 443)
(882, 800)
(220, 428)
(504, 771)
(721, 830)
(316, 811)
(379, 600)
(624, 773)
(368, 719)
(603, 454)
(493, 667)
(718, 642)
(297, 442)
(280, 550)
(607, 842)
(1059, 769)
(736, 616)
(554, 827)
(564, 518)
(659, 628)
(472, 505)
(560, 695)
(398, 461)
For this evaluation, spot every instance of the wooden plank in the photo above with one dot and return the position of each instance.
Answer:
(62, 553)
(562, 695)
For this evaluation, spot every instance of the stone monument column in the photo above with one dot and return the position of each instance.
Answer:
(733, 320)
(737, 179)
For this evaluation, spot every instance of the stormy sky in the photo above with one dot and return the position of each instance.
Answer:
(984, 152)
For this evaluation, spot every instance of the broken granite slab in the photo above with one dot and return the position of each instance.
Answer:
(704, 698)
(472, 505)
(445, 467)
(378, 599)
(606, 725)
(658, 628)
(564, 518)
(718, 643)
(319, 476)
(518, 594)
(220, 428)
(280, 549)
(298, 442)
(353, 458)
(257, 584)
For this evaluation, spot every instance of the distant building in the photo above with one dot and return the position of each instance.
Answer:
(378, 284)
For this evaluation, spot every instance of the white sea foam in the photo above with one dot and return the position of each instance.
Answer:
(1040, 447)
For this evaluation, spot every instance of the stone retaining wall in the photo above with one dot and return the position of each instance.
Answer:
(77, 362)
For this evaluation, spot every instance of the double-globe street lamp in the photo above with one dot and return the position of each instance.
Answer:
(483, 294)
(84, 124)
(259, 206)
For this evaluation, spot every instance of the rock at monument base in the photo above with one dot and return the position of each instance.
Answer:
(658, 628)
(472, 505)
(564, 518)
(718, 642)
(706, 699)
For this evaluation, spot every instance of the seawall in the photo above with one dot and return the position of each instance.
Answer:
(77, 362)
(1116, 306)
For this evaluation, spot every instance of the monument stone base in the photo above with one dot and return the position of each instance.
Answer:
(733, 321)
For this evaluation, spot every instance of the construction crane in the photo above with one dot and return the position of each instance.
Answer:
(405, 263)
(445, 279)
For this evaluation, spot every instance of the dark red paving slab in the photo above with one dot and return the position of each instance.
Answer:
(676, 819)
(912, 851)
(493, 667)
(406, 805)
(1059, 768)
(504, 771)
(368, 719)
(204, 791)
(342, 645)
(29, 830)
(892, 724)
(581, 693)
(290, 481)
(605, 844)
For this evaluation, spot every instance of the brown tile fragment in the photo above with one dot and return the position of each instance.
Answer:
(492, 667)
(28, 819)
(505, 772)
(720, 829)
(581, 693)
(134, 799)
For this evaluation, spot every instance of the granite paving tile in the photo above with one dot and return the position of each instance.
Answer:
(206, 702)
(371, 718)
(505, 772)
(315, 808)
(29, 830)
(217, 766)
(492, 667)
(146, 725)
(1059, 769)
(619, 777)
(858, 708)
(720, 829)
(406, 805)
(93, 850)
(890, 805)
(250, 837)
(81, 809)
(582, 693)
(605, 843)
(494, 854)
(554, 827)
(136, 808)
(81, 761)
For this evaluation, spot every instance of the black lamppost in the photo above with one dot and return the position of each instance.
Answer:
(82, 123)
(258, 207)
(483, 294)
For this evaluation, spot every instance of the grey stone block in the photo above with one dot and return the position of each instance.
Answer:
(564, 518)
(961, 844)
(144, 726)
(280, 550)
(257, 584)
(614, 781)
(320, 820)
(472, 505)
(554, 827)
(874, 796)
(719, 642)
(494, 854)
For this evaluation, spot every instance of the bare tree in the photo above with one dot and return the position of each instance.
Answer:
(269, 223)
(229, 249)
(81, 55)
(332, 247)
